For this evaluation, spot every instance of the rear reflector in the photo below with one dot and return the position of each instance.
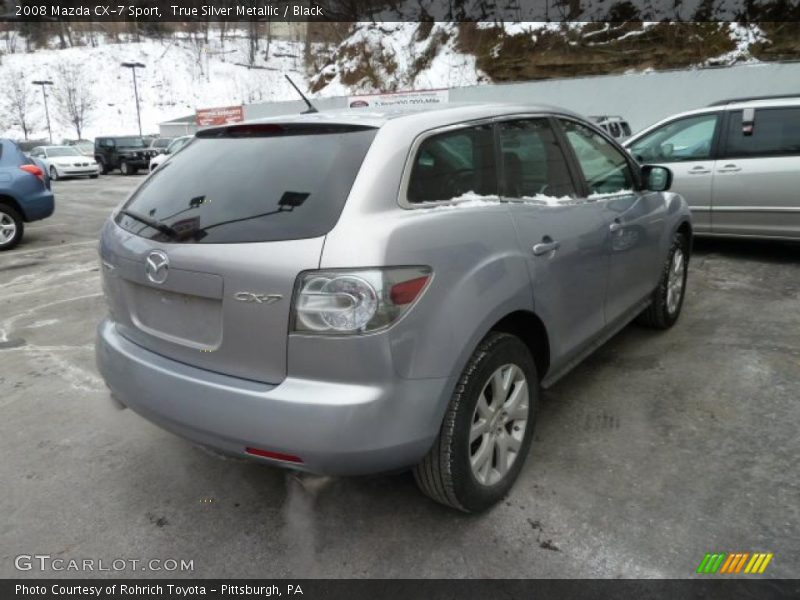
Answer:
(273, 455)
(407, 291)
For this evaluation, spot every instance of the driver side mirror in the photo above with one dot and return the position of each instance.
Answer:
(656, 178)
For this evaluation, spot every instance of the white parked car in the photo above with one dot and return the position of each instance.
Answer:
(65, 161)
(173, 147)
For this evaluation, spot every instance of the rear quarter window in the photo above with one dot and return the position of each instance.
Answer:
(247, 185)
(449, 165)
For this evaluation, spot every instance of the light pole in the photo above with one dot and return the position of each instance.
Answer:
(42, 83)
(133, 66)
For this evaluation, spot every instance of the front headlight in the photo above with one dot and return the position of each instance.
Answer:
(351, 301)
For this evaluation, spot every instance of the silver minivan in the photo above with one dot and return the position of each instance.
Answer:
(736, 162)
(353, 292)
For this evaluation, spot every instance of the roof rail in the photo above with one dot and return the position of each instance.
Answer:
(751, 98)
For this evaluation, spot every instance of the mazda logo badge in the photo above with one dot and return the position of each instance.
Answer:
(157, 266)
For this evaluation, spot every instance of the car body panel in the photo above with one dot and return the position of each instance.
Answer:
(194, 316)
(757, 197)
(348, 404)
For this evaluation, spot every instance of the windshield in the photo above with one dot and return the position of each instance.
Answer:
(62, 151)
(290, 183)
(178, 144)
(131, 142)
(161, 143)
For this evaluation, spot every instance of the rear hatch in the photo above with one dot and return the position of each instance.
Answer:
(199, 265)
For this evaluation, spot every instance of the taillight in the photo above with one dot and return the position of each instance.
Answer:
(33, 170)
(352, 301)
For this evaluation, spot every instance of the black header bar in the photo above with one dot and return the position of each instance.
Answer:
(400, 10)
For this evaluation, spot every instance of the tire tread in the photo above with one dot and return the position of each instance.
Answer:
(434, 474)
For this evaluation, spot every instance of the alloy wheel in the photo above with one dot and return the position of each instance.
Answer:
(675, 279)
(498, 424)
(8, 228)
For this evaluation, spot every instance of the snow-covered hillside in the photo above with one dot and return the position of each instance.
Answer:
(179, 77)
(184, 73)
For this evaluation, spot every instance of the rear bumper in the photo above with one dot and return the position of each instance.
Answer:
(38, 206)
(335, 428)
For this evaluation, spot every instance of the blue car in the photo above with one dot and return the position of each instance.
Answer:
(24, 193)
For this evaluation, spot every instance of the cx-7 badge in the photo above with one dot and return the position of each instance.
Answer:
(257, 298)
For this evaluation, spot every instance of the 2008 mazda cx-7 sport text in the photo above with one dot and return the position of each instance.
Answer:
(357, 292)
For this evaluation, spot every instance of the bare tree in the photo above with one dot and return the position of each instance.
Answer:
(19, 98)
(74, 100)
(199, 47)
(253, 42)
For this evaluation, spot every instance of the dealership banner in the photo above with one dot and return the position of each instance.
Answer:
(410, 98)
(209, 117)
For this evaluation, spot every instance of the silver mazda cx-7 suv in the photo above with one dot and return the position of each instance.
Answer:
(352, 292)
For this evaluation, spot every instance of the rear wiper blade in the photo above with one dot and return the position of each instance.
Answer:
(154, 223)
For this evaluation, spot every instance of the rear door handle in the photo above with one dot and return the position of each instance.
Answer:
(546, 246)
(698, 170)
(729, 169)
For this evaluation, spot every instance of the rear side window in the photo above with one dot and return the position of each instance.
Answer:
(449, 165)
(775, 132)
(533, 162)
(251, 184)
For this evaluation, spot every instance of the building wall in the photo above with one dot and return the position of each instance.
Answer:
(641, 98)
(170, 129)
(644, 98)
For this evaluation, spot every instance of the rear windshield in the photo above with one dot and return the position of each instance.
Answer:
(250, 185)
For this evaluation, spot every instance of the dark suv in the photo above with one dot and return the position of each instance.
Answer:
(126, 153)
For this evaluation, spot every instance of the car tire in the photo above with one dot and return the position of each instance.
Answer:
(92, 176)
(125, 168)
(667, 299)
(101, 165)
(455, 471)
(53, 174)
(11, 227)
